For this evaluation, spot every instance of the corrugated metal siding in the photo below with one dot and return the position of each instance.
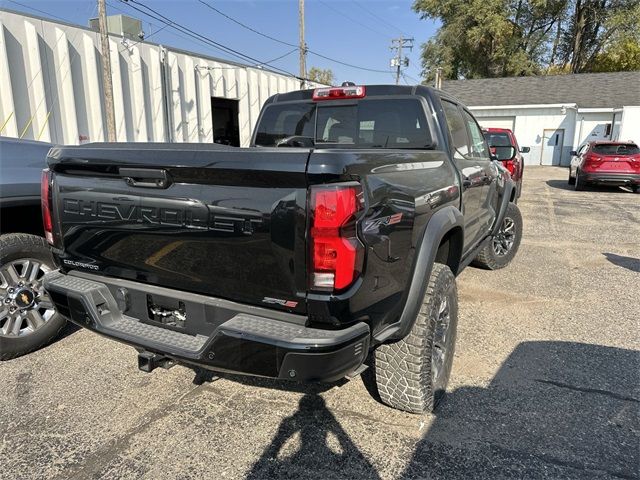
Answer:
(51, 87)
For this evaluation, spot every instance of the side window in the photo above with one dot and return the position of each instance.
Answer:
(478, 145)
(457, 129)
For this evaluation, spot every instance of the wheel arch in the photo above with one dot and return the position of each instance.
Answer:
(442, 239)
(23, 217)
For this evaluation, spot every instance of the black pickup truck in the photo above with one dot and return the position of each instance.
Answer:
(338, 233)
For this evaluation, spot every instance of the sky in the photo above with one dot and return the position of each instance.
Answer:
(357, 32)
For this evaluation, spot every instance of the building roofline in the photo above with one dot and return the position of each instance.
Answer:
(538, 76)
(160, 45)
(536, 105)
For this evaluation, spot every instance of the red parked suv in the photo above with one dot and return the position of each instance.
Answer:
(606, 163)
(498, 139)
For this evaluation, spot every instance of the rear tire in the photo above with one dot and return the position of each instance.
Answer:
(33, 332)
(504, 245)
(578, 184)
(572, 180)
(412, 373)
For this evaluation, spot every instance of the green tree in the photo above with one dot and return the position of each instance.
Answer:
(488, 38)
(320, 75)
(596, 26)
(498, 38)
(620, 55)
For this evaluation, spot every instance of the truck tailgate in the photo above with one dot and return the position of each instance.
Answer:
(227, 222)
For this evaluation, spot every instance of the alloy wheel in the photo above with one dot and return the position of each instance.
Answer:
(441, 345)
(24, 305)
(504, 239)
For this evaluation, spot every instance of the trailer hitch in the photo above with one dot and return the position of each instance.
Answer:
(148, 361)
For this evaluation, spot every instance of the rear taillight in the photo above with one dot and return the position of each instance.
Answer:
(511, 166)
(338, 93)
(591, 162)
(45, 200)
(336, 252)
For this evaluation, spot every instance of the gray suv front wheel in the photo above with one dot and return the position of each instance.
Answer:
(28, 319)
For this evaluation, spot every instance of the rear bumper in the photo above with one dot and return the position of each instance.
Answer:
(603, 178)
(217, 334)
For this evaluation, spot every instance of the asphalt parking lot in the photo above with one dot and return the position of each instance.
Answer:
(546, 382)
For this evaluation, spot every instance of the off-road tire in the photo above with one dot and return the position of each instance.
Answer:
(14, 246)
(403, 369)
(488, 258)
(572, 180)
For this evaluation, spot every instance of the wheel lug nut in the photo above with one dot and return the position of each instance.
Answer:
(10, 290)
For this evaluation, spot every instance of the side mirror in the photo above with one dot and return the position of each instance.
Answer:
(573, 153)
(503, 153)
(525, 149)
(493, 157)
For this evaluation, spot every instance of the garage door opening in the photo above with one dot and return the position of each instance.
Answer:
(224, 115)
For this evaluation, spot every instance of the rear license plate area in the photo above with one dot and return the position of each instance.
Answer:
(165, 311)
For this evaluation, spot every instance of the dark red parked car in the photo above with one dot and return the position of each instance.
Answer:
(499, 141)
(606, 163)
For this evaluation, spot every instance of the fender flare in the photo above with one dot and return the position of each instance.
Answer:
(504, 203)
(441, 222)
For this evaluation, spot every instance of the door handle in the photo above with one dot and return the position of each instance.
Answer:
(145, 177)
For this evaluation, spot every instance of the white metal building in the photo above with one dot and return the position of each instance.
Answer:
(51, 88)
(556, 114)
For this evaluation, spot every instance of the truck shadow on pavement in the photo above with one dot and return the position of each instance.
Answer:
(553, 410)
(629, 263)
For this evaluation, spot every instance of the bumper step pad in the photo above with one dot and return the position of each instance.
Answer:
(158, 335)
(243, 342)
(101, 310)
(282, 332)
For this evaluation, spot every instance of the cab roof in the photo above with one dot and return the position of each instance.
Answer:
(371, 91)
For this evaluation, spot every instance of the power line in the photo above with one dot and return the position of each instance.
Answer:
(243, 25)
(413, 79)
(38, 10)
(146, 37)
(158, 27)
(203, 38)
(346, 64)
(379, 18)
(282, 56)
(354, 20)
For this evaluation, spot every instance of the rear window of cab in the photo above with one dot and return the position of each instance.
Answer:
(367, 123)
(497, 139)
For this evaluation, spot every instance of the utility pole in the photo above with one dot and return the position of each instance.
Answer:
(399, 60)
(303, 46)
(438, 81)
(106, 72)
